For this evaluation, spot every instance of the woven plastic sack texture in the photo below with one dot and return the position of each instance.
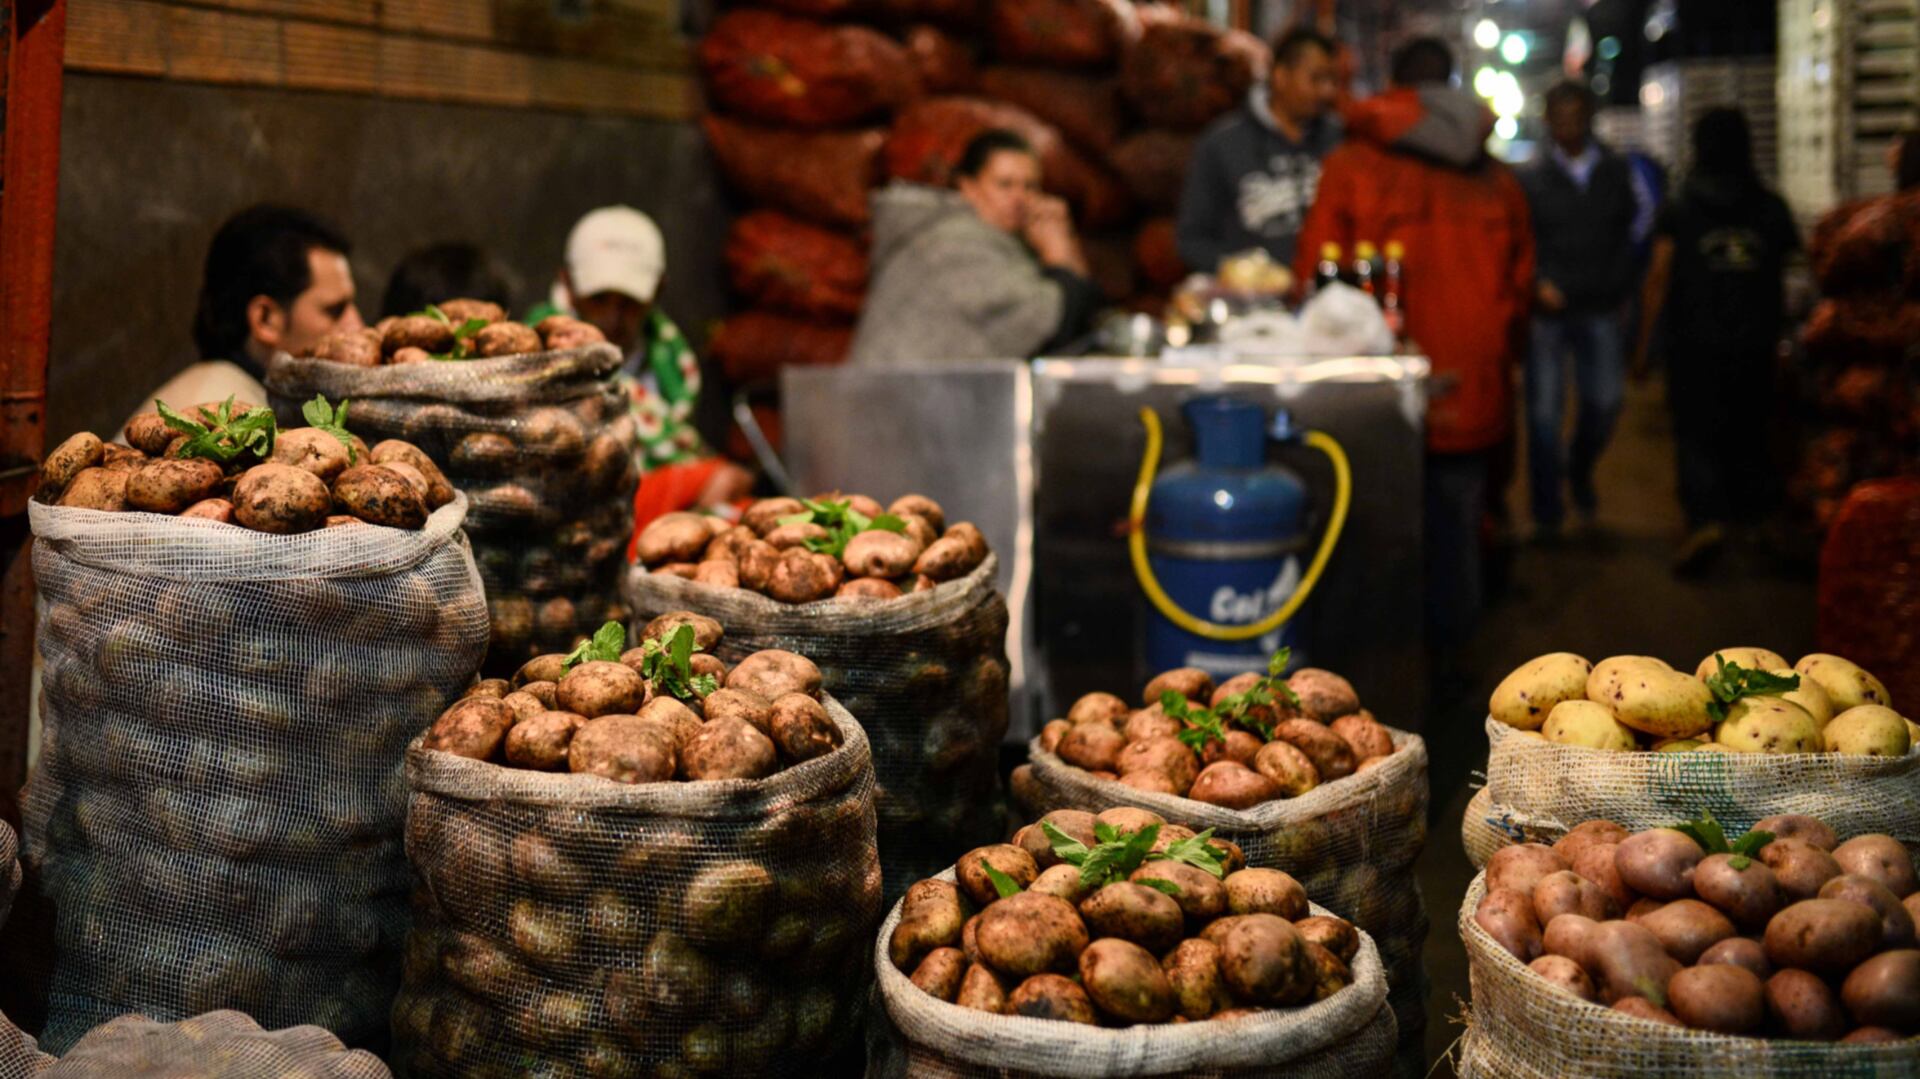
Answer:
(1347, 1036)
(752, 346)
(1538, 790)
(1153, 166)
(1520, 1027)
(216, 820)
(1085, 109)
(783, 263)
(1350, 844)
(1062, 33)
(822, 176)
(542, 445)
(1869, 601)
(571, 925)
(790, 72)
(926, 674)
(9, 870)
(930, 135)
(1185, 71)
(942, 63)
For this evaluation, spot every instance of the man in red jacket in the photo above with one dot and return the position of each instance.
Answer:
(1414, 171)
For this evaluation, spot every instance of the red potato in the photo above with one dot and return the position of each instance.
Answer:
(1801, 827)
(1803, 1007)
(1565, 975)
(1688, 927)
(1723, 999)
(1232, 785)
(1571, 935)
(1325, 695)
(1884, 991)
(1508, 918)
(1586, 834)
(1800, 868)
(1521, 867)
(1628, 960)
(1879, 857)
(1896, 924)
(1642, 1008)
(1739, 952)
(1750, 895)
(1659, 862)
(1566, 892)
(1826, 936)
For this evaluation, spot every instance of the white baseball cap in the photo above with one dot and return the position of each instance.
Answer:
(616, 249)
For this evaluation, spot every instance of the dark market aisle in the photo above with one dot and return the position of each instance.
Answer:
(1601, 594)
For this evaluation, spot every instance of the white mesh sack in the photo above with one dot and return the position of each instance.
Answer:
(216, 819)
(1520, 1027)
(573, 925)
(542, 445)
(1350, 843)
(1537, 790)
(1350, 1035)
(927, 675)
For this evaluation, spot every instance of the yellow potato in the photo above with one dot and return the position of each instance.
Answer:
(1713, 747)
(1768, 725)
(1846, 683)
(1913, 733)
(1663, 703)
(1677, 745)
(1753, 659)
(1809, 696)
(1535, 735)
(1869, 730)
(1523, 699)
(1584, 723)
(1608, 673)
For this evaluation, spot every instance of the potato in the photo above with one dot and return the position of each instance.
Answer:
(1193, 973)
(221, 510)
(1190, 682)
(1867, 730)
(1076, 824)
(939, 974)
(601, 688)
(802, 577)
(1507, 916)
(1262, 960)
(969, 534)
(801, 729)
(729, 749)
(1565, 975)
(1912, 903)
(1799, 826)
(1129, 819)
(1656, 700)
(505, 339)
(1809, 696)
(1287, 768)
(284, 500)
(1723, 999)
(1029, 934)
(541, 933)
(623, 748)
(490, 687)
(1092, 746)
(171, 484)
(1896, 925)
(150, 434)
(1168, 756)
(1060, 880)
(560, 331)
(1586, 834)
(1566, 892)
(1571, 935)
(674, 537)
(918, 506)
(1753, 659)
(868, 588)
(1847, 685)
(932, 916)
(772, 673)
(1688, 927)
(1659, 862)
(1524, 698)
(1332, 757)
(1202, 896)
(1368, 736)
(416, 331)
(1768, 725)
(1879, 857)
(97, 489)
(727, 904)
(525, 705)
(542, 741)
(1826, 936)
(391, 451)
(319, 452)
(1265, 891)
(1337, 935)
(378, 494)
(551, 667)
(1871, 1036)
(473, 727)
(117, 458)
(982, 990)
(1125, 981)
(1521, 867)
(1240, 746)
(799, 534)
(1643, 907)
(1232, 785)
(1100, 706)
(1749, 896)
(1884, 991)
(1739, 952)
(946, 559)
(1642, 1008)
(1008, 859)
(1323, 694)
(73, 456)
(1627, 960)
(676, 719)
(1050, 996)
(1802, 1007)
(879, 553)
(1800, 867)
(1136, 913)
(1588, 725)
(764, 516)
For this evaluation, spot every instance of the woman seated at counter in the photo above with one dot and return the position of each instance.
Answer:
(989, 270)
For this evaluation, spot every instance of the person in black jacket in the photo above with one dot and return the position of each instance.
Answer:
(1582, 199)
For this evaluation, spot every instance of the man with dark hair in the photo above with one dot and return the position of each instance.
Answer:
(445, 271)
(1255, 171)
(1583, 203)
(989, 269)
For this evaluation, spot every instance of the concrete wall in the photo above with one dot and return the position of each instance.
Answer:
(149, 168)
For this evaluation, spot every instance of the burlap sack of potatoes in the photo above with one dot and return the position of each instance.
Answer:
(1538, 790)
(216, 819)
(571, 925)
(1351, 844)
(913, 1035)
(927, 676)
(1520, 1027)
(542, 445)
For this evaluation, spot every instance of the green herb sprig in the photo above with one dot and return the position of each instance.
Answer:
(219, 435)
(1265, 693)
(1003, 884)
(1115, 855)
(1732, 682)
(842, 523)
(462, 334)
(322, 416)
(605, 646)
(1200, 724)
(1713, 839)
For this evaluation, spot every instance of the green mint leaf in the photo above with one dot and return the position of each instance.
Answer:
(1104, 832)
(469, 328)
(705, 685)
(433, 312)
(1196, 852)
(578, 655)
(317, 412)
(1138, 845)
(177, 421)
(1707, 832)
(680, 647)
(1166, 887)
(1277, 666)
(1750, 844)
(1739, 863)
(1173, 703)
(887, 522)
(1001, 882)
(858, 520)
(1731, 682)
(794, 519)
(609, 641)
(1065, 847)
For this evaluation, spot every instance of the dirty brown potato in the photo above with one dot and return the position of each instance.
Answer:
(1005, 857)
(1325, 695)
(464, 308)
(1367, 735)
(623, 748)
(1166, 755)
(1095, 747)
(764, 516)
(674, 537)
(1264, 891)
(1803, 1007)
(551, 667)
(219, 509)
(601, 688)
(149, 434)
(1287, 768)
(1723, 999)
(982, 990)
(800, 577)
(1232, 785)
(1880, 857)
(1584, 835)
(1800, 868)
(170, 484)
(707, 632)
(1826, 936)
(355, 348)
(1147, 723)
(879, 553)
(1028, 934)
(416, 331)
(1134, 912)
(505, 339)
(1102, 707)
(939, 974)
(1330, 973)
(542, 740)
(1062, 881)
(1125, 981)
(1688, 927)
(1521, 867)
(717, 573)
(1076, 824)
(1050, 996)
(920, 506)
(674, 717)
(1193, 973)
(799, 534)
(1262, 959)
(801, 729)
(729, 749)
(472, 727)
(317, 451)
(282, 499)
(863, 588)
(1896, 925)
(772, 673)
(389, 451)
(1332, 757)
(1190, 682)
(78, 453)
(525, 705)
(1659, 862)
(1508, 918)
(740, 704)
(1565, 975)
(562, 331)
(1750, 895)
(380, 495)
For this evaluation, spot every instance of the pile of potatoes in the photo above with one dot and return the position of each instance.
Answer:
(1808, 939)
(604, 718)
(1126, 953)
(1640, 703)
(311, 480)
(423, 337)
(765, 556)
(1329, 737)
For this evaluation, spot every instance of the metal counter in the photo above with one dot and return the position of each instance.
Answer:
(1043, 458)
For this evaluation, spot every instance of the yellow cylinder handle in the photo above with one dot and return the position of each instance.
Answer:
(1143, 570)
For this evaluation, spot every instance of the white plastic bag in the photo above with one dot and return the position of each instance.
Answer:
(1341, 320)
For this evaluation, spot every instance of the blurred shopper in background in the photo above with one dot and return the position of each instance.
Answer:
(276, 279)
(1414, 171)
(615, 261)
(1715, 286)
(1254, 173)
(991, 269)
(1583, 204)
(445, 271)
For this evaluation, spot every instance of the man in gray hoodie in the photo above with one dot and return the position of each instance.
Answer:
(1255, 171)
(991, 269)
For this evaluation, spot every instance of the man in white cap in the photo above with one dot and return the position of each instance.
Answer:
(615, 261)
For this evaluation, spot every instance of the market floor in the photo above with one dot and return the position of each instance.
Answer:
(1605, 593)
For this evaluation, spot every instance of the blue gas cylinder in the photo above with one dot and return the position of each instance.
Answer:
(1226, 536)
